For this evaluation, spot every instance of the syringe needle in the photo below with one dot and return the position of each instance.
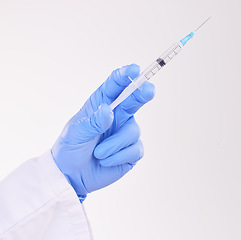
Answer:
(202, 24)
(154, 68)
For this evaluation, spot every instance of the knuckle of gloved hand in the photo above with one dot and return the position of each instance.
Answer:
(75, 128)
(95, 124)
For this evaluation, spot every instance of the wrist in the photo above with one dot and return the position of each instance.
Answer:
(78, 186)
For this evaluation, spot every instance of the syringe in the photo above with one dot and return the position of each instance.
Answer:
(154, 67)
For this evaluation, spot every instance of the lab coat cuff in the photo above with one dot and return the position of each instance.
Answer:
(52, 173)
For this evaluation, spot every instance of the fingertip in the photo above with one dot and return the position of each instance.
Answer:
(119, 80)
(105, 163)
(148, 91)
(132, 70)
(98, 153)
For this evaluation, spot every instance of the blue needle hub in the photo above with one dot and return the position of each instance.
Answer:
(187, 38)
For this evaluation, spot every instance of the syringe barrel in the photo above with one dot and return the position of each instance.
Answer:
(171, 52)
(148, 73)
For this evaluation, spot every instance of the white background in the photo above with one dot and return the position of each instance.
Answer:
(54, 54)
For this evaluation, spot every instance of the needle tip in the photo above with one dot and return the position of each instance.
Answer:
(202, 24)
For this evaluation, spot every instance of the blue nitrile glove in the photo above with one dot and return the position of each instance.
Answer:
(98, 146)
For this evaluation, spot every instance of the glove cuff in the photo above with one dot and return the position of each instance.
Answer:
(82, 197)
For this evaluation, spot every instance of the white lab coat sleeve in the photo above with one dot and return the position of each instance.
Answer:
(37, 202)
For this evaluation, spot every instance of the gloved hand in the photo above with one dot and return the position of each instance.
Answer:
(98, 146)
